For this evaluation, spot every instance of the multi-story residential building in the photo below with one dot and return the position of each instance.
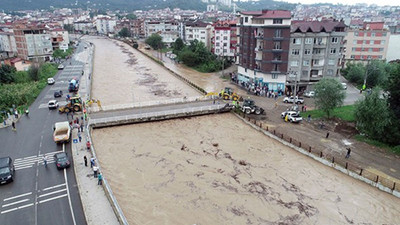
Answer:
(33, 42)
(137, 28)
(8, 47)
(263, 38)
(315, 51)
(105, 24)
(198, 30)
(369, 42)
(168, 30)
(59, 39)
(224, 40)
(85, 27)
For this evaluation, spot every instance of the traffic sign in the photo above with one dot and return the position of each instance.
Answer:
(75, 140)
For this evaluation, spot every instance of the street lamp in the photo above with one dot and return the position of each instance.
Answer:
(293, 74)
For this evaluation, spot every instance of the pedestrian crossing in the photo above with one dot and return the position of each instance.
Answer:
(25, 200)
(30, 161)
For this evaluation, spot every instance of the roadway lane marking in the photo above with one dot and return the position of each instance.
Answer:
(17, 202)
(69, 196)
(51, 193)
(21, 207)
(18, 196)
(55, 186)
(54, 198)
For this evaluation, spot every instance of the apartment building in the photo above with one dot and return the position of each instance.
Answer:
(168, 30)
(367, 43)
(33, 42)
(315, 51)
(198, 30)
(105, 24)
(84, 26)
(224, 39)
(8, 47)
(138, 28)
(263, 38)
(59, 39)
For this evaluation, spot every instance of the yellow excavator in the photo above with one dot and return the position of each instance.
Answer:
(74, 105)
(229, 94)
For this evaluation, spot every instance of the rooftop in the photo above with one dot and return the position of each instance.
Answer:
(269, 14)
(317, 26)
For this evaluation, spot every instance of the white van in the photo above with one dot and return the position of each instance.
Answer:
(344, 85)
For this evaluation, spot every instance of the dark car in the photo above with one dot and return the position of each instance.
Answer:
(7, 170)
(62, 160)
(58, 94)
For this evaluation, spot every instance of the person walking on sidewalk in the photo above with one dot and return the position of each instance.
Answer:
(85, 160)
(79, 136)
(100, 179)
(95, 170)
(92, 162)
(348, 152)
(13, 126)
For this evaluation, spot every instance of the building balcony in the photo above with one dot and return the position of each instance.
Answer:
(276, 61)
(258, 49)
(320, 45)
(260, 36)
(316, 77)
(277, 38)
(275, 72)
(277, 50)
(317, 65)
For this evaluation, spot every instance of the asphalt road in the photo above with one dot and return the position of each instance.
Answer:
(40, 195)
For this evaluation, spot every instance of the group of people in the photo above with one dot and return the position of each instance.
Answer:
(96, 172)
(257, 88)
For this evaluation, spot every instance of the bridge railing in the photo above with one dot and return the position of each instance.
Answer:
(96, 108)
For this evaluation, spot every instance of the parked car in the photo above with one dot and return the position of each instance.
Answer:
(292, 99)
(60, 67)
(50, 81)
(58, 94)
(296, 118)
(7, 170)
(62, 161)
(309, 94)
(290, 112)
(344, 85)
(53, 104)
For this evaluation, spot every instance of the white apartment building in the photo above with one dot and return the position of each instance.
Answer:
(224, 39)
(168, 30)
(8, 48)
(60, 39)
(33, 43)
(105, 24)
(198, 30)
(84, 26)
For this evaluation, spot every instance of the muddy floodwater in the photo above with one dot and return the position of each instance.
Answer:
(123, 75)
(218, 170)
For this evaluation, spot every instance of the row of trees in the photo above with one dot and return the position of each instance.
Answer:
(194, 55)
(377, 116)
(20, 88)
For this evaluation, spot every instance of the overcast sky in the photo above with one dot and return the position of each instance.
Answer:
(352, 2)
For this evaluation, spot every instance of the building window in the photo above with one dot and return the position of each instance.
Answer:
(217, 38)
(331, 62)
(225, 31)
(276, 67)
(295, 51)
(318, 41)
(353, 49)
(364, 42)
(316, 51)
(278, 33)
(316, 62)
(217, 44)
(356, 34)
(217, 31)
(306, 63)
(380, 57)
(225, 38)
(274, 76)
(296, 41)
(354, 42)
(246, 19)
(277, 45)
(352, 56)
(277, 57)
(308, 40)
(381, 49)
(330, 72)
(304, 73)
(245, 69)
(277, 21)
(225, 44)
(383, 41)
(333, 50)
(216, 50)
(294, 63)
(384, 34)
(334, 40)
(373, 34)
(307, 51)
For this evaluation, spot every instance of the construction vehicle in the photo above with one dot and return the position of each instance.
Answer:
(228, 94)
(248, 106)
(74, 105)
(73, 85)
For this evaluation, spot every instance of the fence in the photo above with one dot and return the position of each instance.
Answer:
(94, 108)
(335, 161)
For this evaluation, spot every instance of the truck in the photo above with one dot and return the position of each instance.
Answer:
(73, 85)
(62, 132)
(248, 106)
(292, 99)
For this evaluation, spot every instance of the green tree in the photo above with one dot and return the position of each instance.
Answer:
(329, 94)
(7, 74)
(377, 73)
(135, 45)
(155, 41)
(354, 72)
(34, 72)
(178, 45)
(131, 16)
(124, 32)
(189, 58)
(375, 119)
(393, 90)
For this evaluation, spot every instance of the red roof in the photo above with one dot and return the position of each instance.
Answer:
(270, 14)
(15, 60)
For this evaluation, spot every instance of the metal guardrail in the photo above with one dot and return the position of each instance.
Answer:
(95, 108)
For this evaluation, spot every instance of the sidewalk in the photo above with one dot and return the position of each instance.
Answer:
(96, 206)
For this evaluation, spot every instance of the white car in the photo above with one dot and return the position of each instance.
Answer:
(295, 118)
(50, 81)
(344, 85)
(292, 99)
(289, 113)
(53, 104)
(309, 94)
(61, 67)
